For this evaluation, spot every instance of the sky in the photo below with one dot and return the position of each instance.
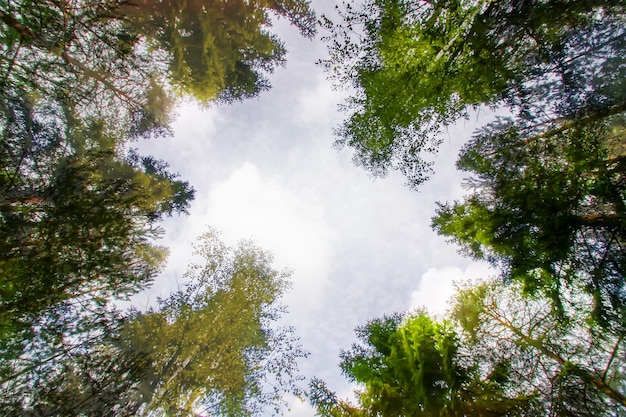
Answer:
(266, 169)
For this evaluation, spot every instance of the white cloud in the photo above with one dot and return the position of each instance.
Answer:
(299, 408)
(437, 285)
(319, 105)
(288, 224)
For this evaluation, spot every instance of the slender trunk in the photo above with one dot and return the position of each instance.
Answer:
(601, 220)
(461, 31)
(584, 374)
(13, 23)
(163, 388)
(593, 117)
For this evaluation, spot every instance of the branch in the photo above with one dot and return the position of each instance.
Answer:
(594, 117)
(13, 23)
(99, 78)
(613, 353)
(576, 369)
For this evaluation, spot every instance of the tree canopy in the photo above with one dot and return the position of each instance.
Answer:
(213, 346)
(121, 58)
(548, 209)
(217, 50)
(416, 365)
(495, 353)
(77, 214)
(419, 66)
(570, 365)
(79, 208)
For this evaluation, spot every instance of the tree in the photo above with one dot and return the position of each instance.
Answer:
(77, 215)
(573, 367)
(549, 209)
(78, 52)
(415, 365)
(117, 57)
(417, 67)
(217, 50)
(213, 346)
(495, 353)
(72, 366)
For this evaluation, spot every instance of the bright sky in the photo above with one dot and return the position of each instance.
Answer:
(266, 169)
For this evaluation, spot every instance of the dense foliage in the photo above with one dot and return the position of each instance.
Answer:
(497, 353)
(547, 202)
(213, 346)
(418, 66)
(79, 207)
(549, 210)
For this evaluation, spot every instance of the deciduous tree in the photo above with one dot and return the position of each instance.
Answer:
(573, 366)
(213, 346)
(418, 66)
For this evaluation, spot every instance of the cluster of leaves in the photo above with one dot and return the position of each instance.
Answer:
(547, 203)
(79, 208)
(497, 353)
(418, 66)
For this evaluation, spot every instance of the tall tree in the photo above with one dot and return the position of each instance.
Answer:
(548, 208)
(213, 346)
(415, 365)
(217, 50)
(117, 57)
(418, 66)
(495, 353)
(72, 366)
(79, 52)
(574, 368)
(78, 215)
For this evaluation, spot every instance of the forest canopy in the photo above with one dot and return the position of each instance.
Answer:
(546, 203)
(417, 67)
(80, 210)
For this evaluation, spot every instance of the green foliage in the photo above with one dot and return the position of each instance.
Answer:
(80, 53)
(213, 346)
(70, 365)
(416, 365)
(119, 59)
(548, 209)
(79, 209)
(570, 365)
(418, 66)
(216, 50)
(496, 353)
(77, 214)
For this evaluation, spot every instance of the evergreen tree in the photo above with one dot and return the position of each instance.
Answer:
(78, 215)
(213, 346)
(415, 365)
(549, 209)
